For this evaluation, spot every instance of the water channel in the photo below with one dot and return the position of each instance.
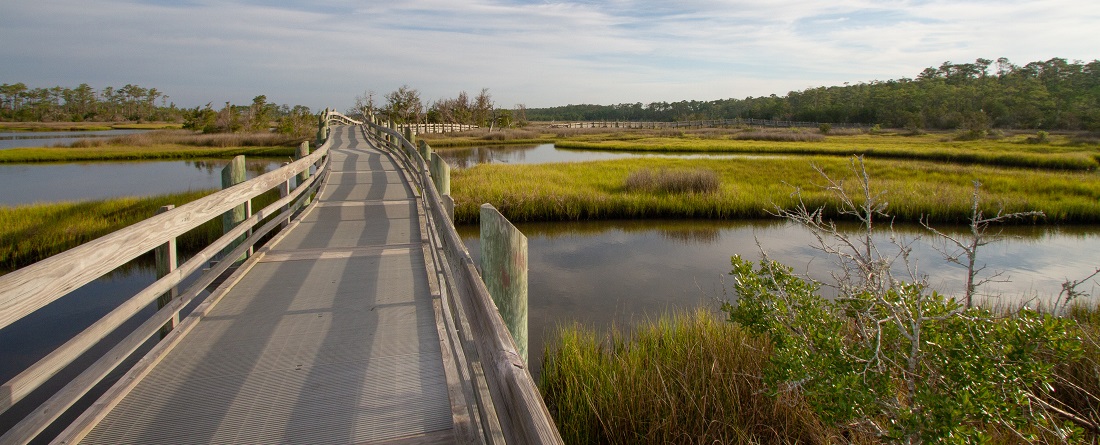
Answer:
(616, 272)
(17, 139)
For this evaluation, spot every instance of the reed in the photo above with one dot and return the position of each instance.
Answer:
(688, 378)
(672, 181)
(142, 153)
(191, 138)
(1058, 153)
(752, 187)
(31, 233)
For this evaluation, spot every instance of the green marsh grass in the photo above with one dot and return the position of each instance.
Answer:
(31, 233)
(168, 144)
(672, 181)
(751, 187)
(1060, 153)
(34, 232)
(689, 378)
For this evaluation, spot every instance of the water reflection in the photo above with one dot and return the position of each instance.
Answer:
(30, 183)
(547, 153)
(613, 273)
(18, 139)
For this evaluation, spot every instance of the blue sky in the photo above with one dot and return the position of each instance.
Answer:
(533, 52)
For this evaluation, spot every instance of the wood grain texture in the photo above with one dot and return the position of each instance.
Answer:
(30, 288)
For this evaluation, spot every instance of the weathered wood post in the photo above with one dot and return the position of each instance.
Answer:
(167, 260)
(441, 174)
(426, 154)
(233, 174)
(303, 151)
(504, 269)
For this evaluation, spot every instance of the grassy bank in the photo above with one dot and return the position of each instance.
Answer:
(168, 144)
(33, 232)
(1057, 153)
(86, 126)
(749, 188)
(694, 379)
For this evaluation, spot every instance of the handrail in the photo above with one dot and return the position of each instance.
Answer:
(517, 403)
(28, 289)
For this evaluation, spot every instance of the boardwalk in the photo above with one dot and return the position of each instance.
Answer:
(331, 337)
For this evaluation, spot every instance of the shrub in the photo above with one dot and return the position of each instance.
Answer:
(824, 128)
(673, 181)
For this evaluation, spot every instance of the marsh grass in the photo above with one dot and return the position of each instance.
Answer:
(688, 378)
(1078, 381)
(693, 378)
(750, 188)
(166, 144)
(1055, 153)
(34, 232)
(778, 136)
(672, 181)
(190, 138)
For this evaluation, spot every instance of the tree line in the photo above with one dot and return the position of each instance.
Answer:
(1055, 94)
(20, 103)
(133, 103)
(405, 106)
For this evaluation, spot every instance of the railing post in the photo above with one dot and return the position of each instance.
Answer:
(233, 174)
(504, 269)
(425, 152)
(303, 151)
(167, 260)
(441, 174)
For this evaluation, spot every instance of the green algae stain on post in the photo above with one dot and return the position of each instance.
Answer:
(504, 270)
(233, 174)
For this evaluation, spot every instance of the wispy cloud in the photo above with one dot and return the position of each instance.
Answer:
(541, 53)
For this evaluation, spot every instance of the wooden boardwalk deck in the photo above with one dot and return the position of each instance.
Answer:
(331, 336)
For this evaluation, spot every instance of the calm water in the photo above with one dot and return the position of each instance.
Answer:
(30, 183)
(548, 153)
(17, 139)
(613, 273)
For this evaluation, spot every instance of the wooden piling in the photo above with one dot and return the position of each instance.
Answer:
(233, 174)
(441, 174)
(167, 260)
(504, 269)
(303, 151)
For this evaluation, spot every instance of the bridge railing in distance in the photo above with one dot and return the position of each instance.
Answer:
(701, 124)
(505, 404)
(26, 290)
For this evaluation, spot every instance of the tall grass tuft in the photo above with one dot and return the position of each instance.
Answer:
(34, 232)
(690, 378)
(1077, 384)
(778, 136)
(673, 181)
(190, 138)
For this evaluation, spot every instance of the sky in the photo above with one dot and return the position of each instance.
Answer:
(539, 53)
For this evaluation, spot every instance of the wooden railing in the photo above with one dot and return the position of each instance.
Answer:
(502, 395)
(699, 124)
(435, 128)
(26, 290)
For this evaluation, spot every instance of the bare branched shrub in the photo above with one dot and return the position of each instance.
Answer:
(673, 181)
(966, 254)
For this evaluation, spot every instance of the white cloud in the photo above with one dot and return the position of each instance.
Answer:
(539, 53)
